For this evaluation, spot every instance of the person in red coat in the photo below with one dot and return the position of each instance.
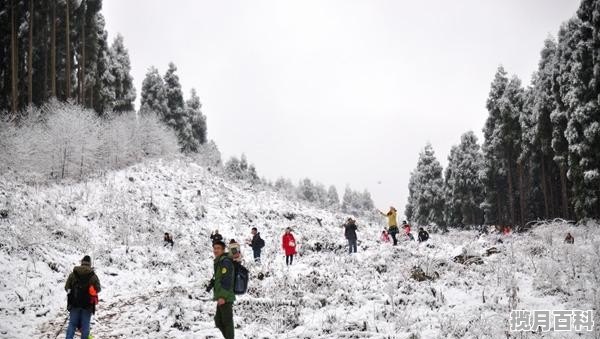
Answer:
(288, 242)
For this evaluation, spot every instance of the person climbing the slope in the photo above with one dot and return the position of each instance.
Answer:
(82, 287)
(168, 240)
(215, 236)
(223, 280)
(257, 244)
(392, 223)
(569, 239)
(289, 246)
(423, 235)
(350, 234)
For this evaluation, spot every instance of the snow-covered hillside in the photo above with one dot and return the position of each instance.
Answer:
(150, 291)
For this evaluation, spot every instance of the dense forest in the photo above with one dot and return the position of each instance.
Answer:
(60, 49)
(540, 157)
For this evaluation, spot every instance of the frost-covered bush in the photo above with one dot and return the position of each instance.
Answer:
(209, 156)
(62, 140)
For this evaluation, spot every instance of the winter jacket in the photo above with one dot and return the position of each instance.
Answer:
(289, 244)
(83, 271)
(392, 221)
(257, 243)
(224, 276)
(216, 237)
(350, 231)
(406, 229)
(423, 236)
(385, 237)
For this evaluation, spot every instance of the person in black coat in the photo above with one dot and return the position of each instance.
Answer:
(215, 237)
(350, 234)
(168, 240)
(423, 235)
(257, 244)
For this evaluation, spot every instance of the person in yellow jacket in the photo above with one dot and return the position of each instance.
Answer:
(392, 216)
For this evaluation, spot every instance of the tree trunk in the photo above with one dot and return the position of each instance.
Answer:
(511, 199)
(82, 61)
(68, 55)
(499, 217)
(563, 186)
(41, 97)
(53, 52)
(544, 187)
(522, 203)
(13, 58)
(30, 57)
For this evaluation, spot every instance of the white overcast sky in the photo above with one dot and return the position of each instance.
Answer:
(343, 92)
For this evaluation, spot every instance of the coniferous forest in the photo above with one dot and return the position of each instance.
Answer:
(60, 49)
(540, 157)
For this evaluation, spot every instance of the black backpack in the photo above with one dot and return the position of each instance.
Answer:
(260, 242)
(240, 279)
(79, 297)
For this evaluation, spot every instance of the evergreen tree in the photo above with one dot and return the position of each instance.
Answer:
(154, 98)
(233, 169)
(463, 184)
(306, 190)
(351, 203)
(197, 119)
(333, 199)
(583, 128)
(426, 190)
(120, 68)
(366, 201)
(177, 113)
(494, 206)
(542, 103)
(103, 95)
(562, 87)
(511, 109)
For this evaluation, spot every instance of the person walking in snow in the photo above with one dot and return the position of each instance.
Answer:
(257, 244)
(223, 294)
(82, 287)
(423, 235)
(215, 236)
(392, 215)
(350, 234)
(385, 237)
(235, 251)
(168, 240)
(289, 246)
(569, 239)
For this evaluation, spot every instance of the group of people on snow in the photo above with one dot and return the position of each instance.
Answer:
(393, 230)
(83, 285)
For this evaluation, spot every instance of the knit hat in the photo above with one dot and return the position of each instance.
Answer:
(86, 260)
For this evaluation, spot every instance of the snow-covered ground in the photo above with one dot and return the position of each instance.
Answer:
(150, 291)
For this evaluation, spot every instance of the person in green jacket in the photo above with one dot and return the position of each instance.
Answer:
(223, 289)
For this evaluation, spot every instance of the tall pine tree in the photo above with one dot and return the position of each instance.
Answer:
(426, 190)
(154, 95)
(120, 68)
(463, 185)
